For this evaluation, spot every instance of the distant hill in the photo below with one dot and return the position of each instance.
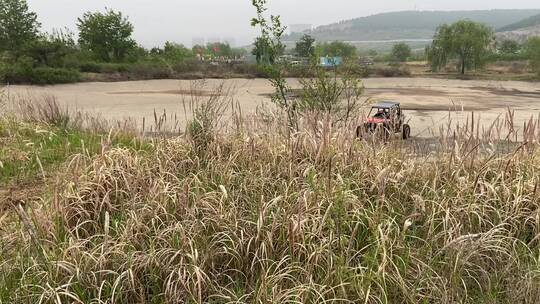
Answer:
(520, 31)
(520, 35)
(532, 21)
(410, 25)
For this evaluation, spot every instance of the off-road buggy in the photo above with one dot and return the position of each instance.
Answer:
(384, 119)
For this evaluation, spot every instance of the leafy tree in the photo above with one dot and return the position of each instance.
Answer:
(107, 35)
(51, 49)
(18, 25)
(337, 49)
(533, 53)
(175, 52)
(323, 94)
(509, 47)
(268, 46)
(305, 47)
(264, 52)
(467, 40)
(155, 51)
(401, 52)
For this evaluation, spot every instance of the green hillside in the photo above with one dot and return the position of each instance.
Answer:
(411, 24)
(527, 22)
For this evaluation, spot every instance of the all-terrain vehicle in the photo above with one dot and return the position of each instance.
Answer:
(385, 118)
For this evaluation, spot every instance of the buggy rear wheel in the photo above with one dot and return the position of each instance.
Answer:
(406, 131)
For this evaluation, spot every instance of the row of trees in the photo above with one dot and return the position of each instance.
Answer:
(471, 44)
(176, 51)
(105, 39)
(106, 35)
(306, 47)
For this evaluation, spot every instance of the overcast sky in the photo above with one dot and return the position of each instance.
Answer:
(157, 21)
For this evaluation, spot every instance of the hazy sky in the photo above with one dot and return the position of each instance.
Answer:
(157, 21)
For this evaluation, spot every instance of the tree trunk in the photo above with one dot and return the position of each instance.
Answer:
(463, 66)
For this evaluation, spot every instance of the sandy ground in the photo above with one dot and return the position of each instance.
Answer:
(429, 102)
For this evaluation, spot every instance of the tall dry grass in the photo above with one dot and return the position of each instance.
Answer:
(262, 216)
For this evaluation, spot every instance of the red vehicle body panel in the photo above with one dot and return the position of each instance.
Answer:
(373, 120)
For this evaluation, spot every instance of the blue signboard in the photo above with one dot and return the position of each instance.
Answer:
(331, 61)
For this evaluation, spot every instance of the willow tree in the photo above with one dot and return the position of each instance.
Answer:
(465, 40)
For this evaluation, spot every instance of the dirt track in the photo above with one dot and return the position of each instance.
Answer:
(429, 101)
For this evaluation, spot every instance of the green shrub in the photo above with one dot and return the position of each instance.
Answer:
(18, 72)
(533, 54)
(150, 70)
(40, 75)
(46, 75)
(110, 68)
(493, 57)
(90, 67)
(103, 67)
(356, 70)
(187, 66)
(393, 71)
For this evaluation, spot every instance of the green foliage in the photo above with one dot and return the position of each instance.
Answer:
(494, 57)
(47, 59)
(18, 25)
(268, 46)
(305, 47)
(401, 52)
(17, 71)
(329, 94)
(52, 50)
(107, 35)
(176, 52)
(533, 52)
(219, 49)
(264, 52)
(392, 71)
(337, 49)
(466, 40)
(509, 47)
(32, 148)
(102, 67)
(47, 75)
(149, 70)
(23, 73)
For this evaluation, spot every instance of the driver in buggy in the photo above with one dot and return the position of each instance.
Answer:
(382, 113)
